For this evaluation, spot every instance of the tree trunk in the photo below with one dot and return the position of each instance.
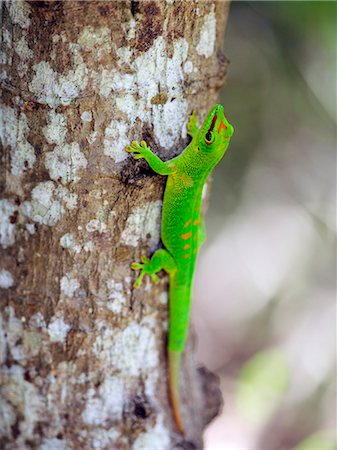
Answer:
(83, 353)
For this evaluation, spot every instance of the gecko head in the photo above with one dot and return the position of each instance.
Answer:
(215, 134)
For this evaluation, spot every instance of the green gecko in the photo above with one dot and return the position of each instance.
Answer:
(182, 228)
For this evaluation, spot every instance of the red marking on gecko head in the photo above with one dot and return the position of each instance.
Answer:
(215, 118)
(222, 126)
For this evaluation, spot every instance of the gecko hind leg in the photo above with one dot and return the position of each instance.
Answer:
(161, 259)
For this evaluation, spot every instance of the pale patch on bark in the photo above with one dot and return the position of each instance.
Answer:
(21, 344)
(69, 199)
(69, 285)
(56, 131)
(48, 203)
(188, 67)
(54, 444)
(92, 137)
(163, 298)
(113, 81)
(58, 330)
(7, 38)
(22, 49)
(68, 241)
(7, 229)
(54, 89)
(206, 42)
(153, 73)
(88, 246)
(95, 225)
(130, 28)
(29, 405)
(116, 296)
(64, 163)
(142, 222)
(30, 227)
(6, 279)
(130, 350)
(86, 116)
(102, 438)
(13, 133)
(8, 418)
(14, 331)
(37, 321)
(96, 37)
(124, 54)
(116, 138)
(106, 404)
(19, 11)
(157, 437)
(3, 344)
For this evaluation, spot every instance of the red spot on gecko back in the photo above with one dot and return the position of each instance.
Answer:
(186, 235)
(187, 223)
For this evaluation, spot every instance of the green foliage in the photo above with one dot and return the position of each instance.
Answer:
(318, 441)
(315, 19)
(262, 382)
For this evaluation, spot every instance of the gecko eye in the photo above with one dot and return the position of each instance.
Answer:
(209, 137)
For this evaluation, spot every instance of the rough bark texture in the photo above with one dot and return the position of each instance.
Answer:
(83, 360)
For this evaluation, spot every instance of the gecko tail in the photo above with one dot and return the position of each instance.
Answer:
(174, 360)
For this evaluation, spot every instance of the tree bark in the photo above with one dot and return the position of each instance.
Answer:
(82, 353)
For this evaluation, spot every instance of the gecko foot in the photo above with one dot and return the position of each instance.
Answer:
(139, 150)
(146, 268)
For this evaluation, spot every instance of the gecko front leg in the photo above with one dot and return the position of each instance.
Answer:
(143, 151)
(161, 259)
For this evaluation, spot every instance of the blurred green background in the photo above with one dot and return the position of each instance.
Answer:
(265, 291)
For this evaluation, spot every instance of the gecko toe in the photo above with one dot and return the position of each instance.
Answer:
(155, 278)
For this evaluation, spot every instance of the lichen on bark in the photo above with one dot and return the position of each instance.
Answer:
(82, 353)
